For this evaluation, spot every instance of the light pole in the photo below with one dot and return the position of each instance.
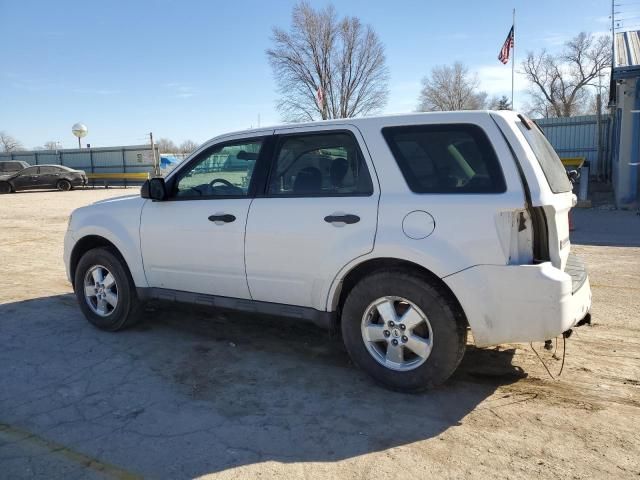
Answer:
(79, 130)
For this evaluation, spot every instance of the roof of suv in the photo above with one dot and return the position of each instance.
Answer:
(468, 115)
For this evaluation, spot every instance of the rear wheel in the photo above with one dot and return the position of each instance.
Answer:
(64, 185)
(105, 290)
(5, 187)
(403, 331)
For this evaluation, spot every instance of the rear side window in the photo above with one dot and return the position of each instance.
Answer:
(319, 165)
(548, 159)
(446, 158)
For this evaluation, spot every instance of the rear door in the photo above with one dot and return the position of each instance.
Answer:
(49, 176)
(546, 178)
(557, 211)
(317, 213)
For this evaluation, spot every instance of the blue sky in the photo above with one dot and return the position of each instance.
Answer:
(195, 69)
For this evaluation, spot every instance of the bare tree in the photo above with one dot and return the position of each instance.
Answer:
(499, 103)
(559, 83)
(51, 145)
(327, 67)
(9, 143)
(451, 87)
(165, 145)
(187, 147)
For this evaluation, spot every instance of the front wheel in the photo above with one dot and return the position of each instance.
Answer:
(105, 290)
(5, 187)
(403, 331)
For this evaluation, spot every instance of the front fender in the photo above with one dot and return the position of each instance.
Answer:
(119, 223)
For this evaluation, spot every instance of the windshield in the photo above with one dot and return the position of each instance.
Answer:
(548, 159)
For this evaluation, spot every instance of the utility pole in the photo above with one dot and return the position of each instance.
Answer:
(613, 34)
(156, 169)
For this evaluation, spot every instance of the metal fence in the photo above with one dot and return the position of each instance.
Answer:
(127, 159)
(578, 137)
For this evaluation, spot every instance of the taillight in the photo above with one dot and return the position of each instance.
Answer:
(540, 235)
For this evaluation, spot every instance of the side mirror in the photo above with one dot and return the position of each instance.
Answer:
(154, 189)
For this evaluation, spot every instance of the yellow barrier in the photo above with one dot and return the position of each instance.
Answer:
(575, 162)
(118, 176)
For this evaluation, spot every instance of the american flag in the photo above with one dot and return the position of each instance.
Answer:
(505, 51)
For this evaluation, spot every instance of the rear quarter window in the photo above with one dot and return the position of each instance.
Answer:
(456, 158)
(547, 157)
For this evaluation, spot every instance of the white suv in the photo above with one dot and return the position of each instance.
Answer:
(403, 231)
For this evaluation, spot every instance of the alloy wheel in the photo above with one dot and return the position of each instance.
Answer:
(100, 290)
(397, 333)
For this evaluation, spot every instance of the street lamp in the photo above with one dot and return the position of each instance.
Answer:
(79, 130)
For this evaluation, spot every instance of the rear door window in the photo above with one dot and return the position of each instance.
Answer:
(455, 158)
(322, 164)
(547, 157)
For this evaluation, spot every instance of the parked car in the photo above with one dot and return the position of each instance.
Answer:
(403, 231)
(43, 176)
(11, 166)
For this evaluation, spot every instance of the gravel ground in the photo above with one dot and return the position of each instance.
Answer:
(189, 393)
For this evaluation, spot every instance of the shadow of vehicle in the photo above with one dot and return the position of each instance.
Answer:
(188, 392)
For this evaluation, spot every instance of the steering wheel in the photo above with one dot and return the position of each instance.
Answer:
(230, 187)
(223, 181)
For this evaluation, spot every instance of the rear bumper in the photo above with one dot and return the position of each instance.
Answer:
(521, 303)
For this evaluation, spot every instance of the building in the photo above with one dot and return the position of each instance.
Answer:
(625, 104)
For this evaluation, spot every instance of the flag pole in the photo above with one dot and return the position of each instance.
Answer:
(513, 60)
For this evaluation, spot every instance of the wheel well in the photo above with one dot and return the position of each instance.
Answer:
(370, 266)
(84, 245)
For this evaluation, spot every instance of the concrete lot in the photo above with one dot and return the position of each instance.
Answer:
(189, 393)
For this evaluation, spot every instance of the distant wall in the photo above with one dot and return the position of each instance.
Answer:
(125, 159)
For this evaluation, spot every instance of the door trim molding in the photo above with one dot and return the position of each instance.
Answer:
(326, 320)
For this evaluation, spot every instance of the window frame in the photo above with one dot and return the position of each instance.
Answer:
(279, 140)
(254, 183)
(389, 130)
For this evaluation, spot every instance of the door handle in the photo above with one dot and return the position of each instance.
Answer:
(348, 219)
(222, 218)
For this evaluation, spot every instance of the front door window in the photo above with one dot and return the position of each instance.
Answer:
(224, 171)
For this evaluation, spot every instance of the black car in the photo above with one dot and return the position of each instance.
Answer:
(12, 166)
(43, 176)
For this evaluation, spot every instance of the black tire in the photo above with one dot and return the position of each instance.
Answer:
(64, 185)
(5, 187)
(128, 308)
(447, 324)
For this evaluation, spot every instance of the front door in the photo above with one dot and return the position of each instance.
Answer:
(28, 178)
(318, 212)
(194, 241)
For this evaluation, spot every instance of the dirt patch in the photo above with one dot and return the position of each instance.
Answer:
(191, 393)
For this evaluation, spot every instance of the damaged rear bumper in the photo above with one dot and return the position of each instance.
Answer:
(522, 303)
